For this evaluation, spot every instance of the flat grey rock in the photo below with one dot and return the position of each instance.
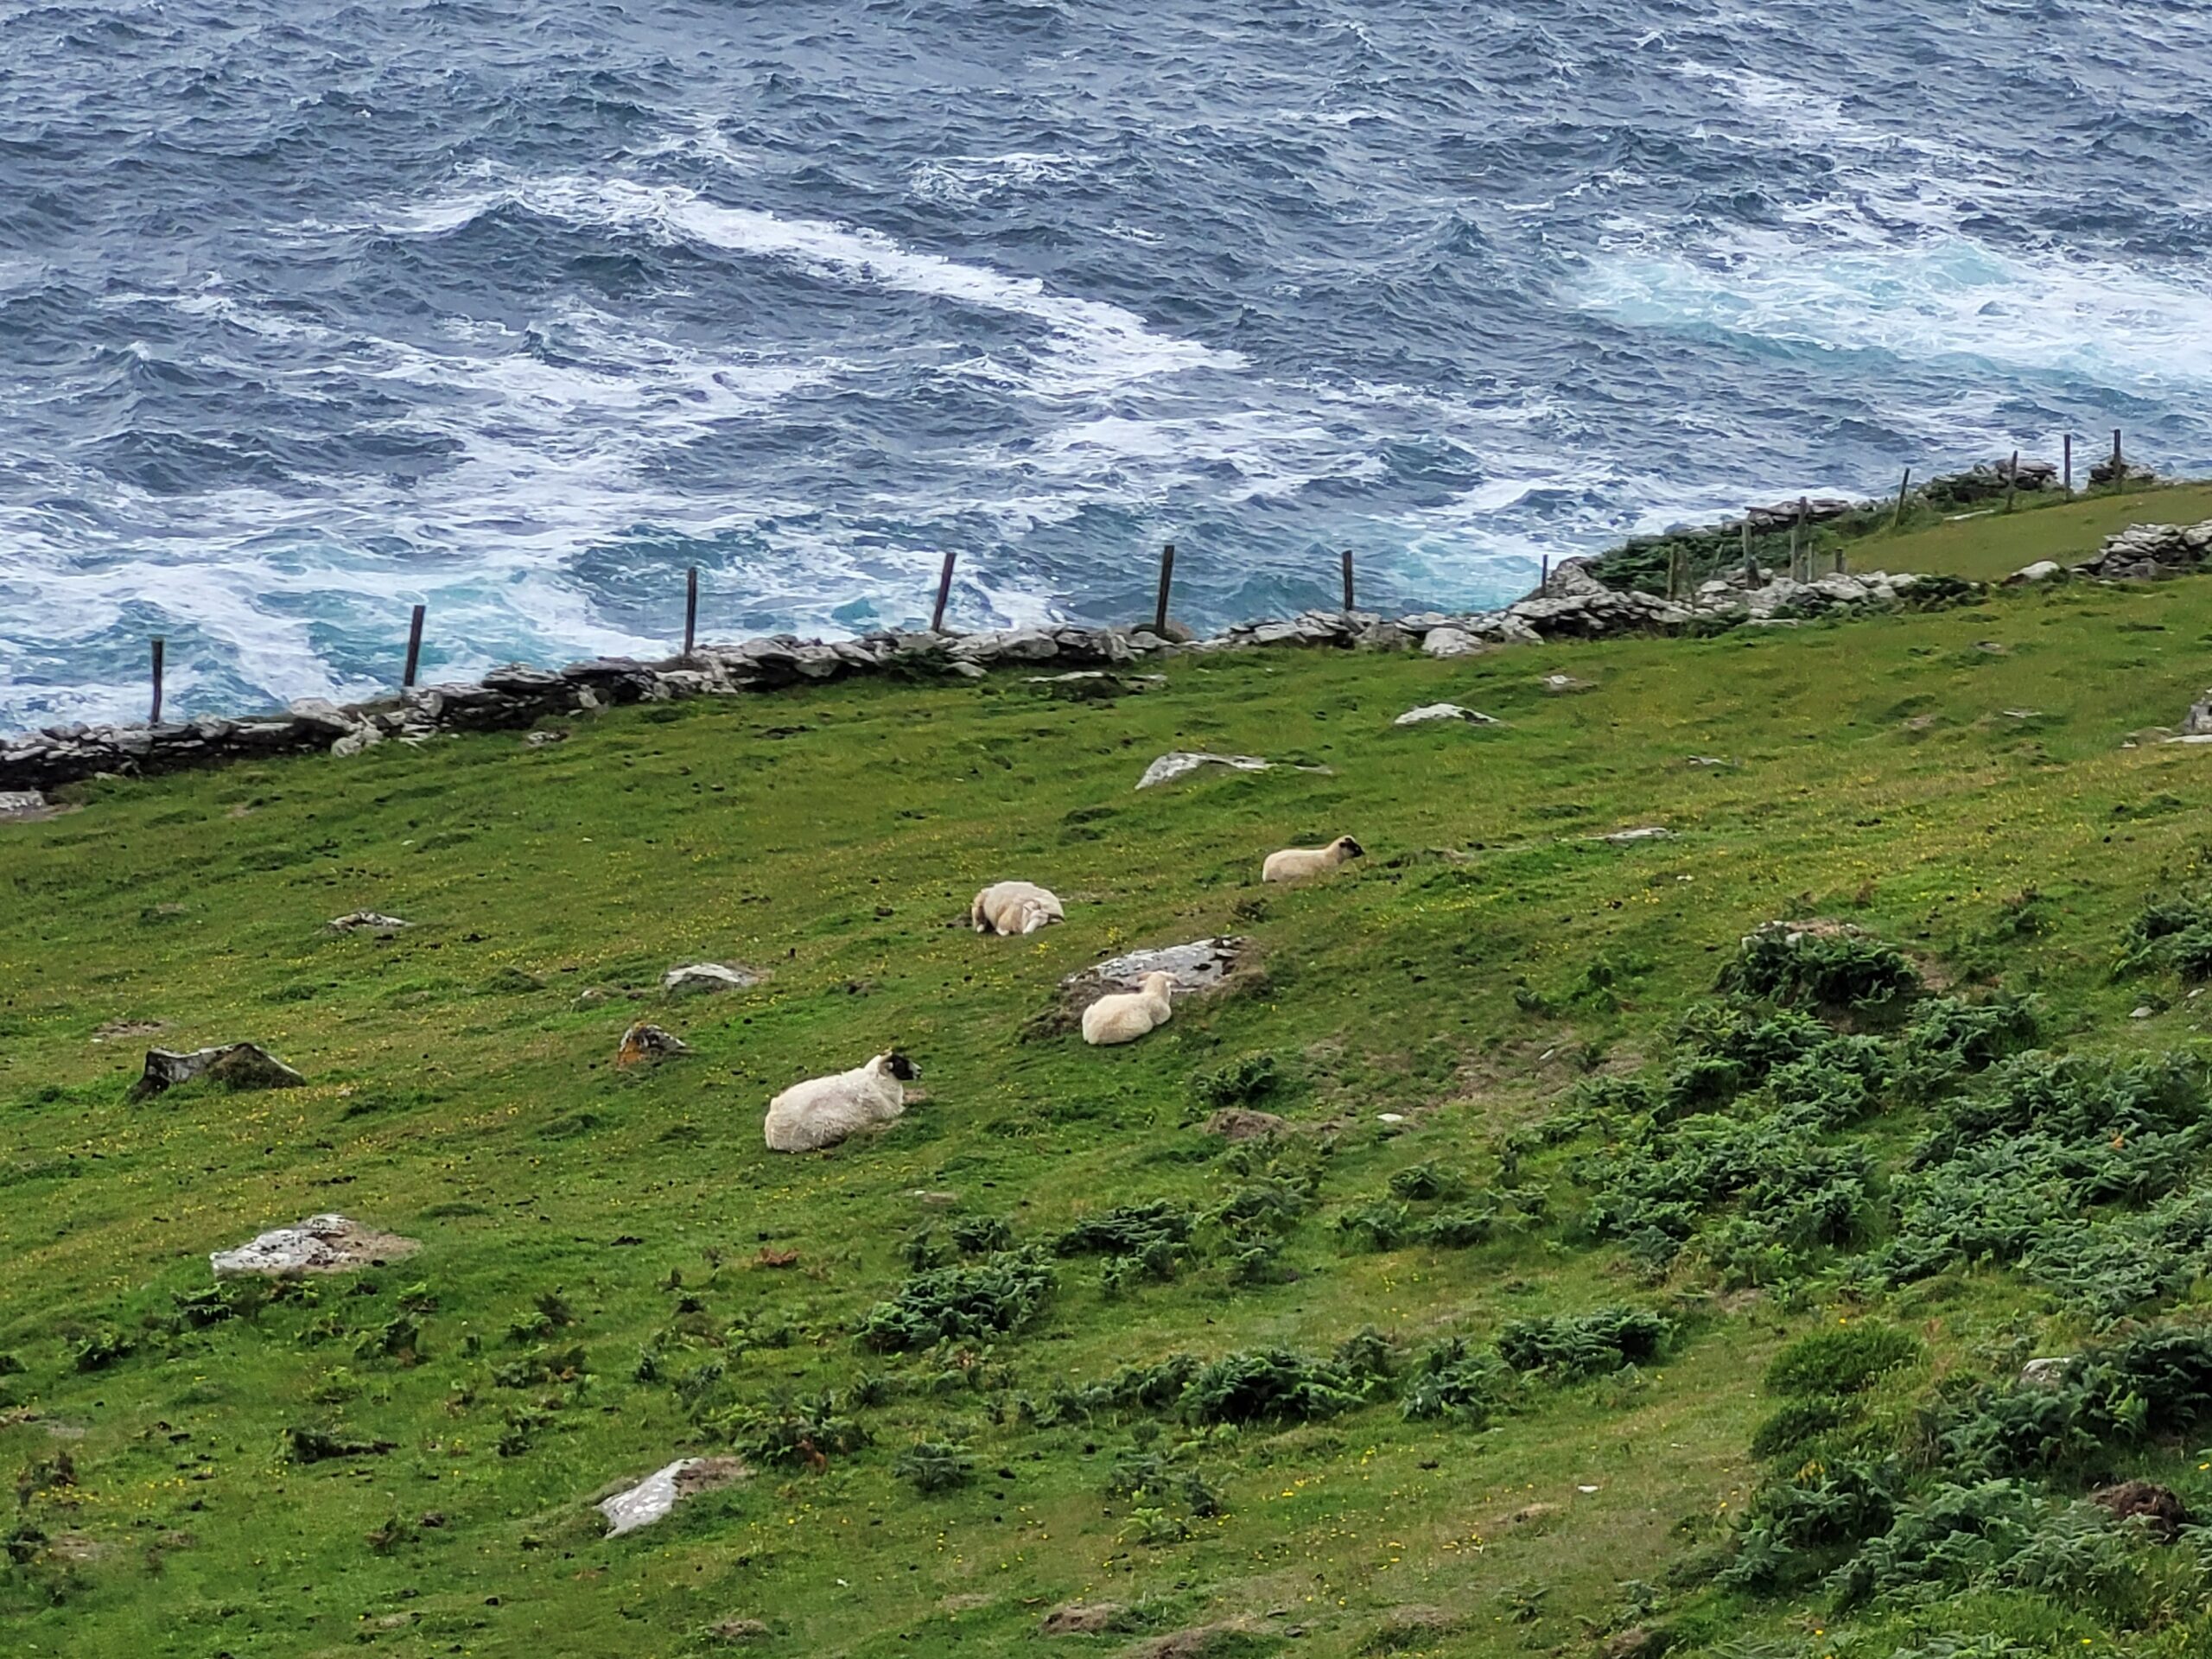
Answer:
(1646, 832)
(320, 1244)
(2047, 1373)
(239, 1065)
(1450, 642)
(709, 977)
(1431, 711)
(1183, 762)
(654, 1496)
(643, 1041)
(1198, 966)
(366, 921)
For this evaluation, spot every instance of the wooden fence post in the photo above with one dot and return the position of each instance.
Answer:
(1802, 530)
(2070, 463)
(2011, 480)
(1167, 578)
(2119, 466)
(414, 648)
(1544, 577)
(1348, 605)
(1897, 517)
(690, 611)
(944, 593)
(161, 648)
(1751, 565)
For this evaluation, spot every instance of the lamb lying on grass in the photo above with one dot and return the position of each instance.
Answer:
(821, 1111)
(1295, 864)
(1014, 908)
(1127, 1016)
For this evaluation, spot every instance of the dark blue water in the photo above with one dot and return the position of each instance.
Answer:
(308, 311)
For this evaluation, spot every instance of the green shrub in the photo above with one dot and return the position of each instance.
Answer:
(1133, 1387)
(2121, 1263)
(1833, 970)
(1272, 1204)
(934, 1466)
(1565, 1346)
(1838, 1500)
(1800, 1423)
(1001, 1294)
(1839, 1082)
(1423, 1182)
(101, 1349)
(1456, 1230)
(790, 1435)
(320, 1445)
(1953, 1537)
(983, 1235)
(1365, 1356)
(1844, 1359)
(1129, 1229)
(1375, 1226)
(1269, 1385)
(1240, 1083)
(1947, 1038)
(2172, 933)
(1451, 1381)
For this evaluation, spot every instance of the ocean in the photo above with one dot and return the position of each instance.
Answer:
(312, 312)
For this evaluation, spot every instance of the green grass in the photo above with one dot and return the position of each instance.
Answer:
(1988, 546)
(1958, 783)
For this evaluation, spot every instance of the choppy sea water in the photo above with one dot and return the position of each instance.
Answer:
(309, 311)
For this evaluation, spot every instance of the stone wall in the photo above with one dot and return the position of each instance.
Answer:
(1574, 605)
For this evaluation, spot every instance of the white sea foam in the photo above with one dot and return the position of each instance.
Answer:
(1942, 294)
(968, 181)
(1090, 345)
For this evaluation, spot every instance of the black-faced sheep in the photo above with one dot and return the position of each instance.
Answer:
(1295, 864)
(1127, 1016)
(1014, 908)
(821, 1111)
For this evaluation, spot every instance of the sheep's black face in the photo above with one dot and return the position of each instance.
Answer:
(903, 1069)
(1352, 849)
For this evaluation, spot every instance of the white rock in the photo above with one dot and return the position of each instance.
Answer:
(364, 736)
(709, 977)
(2041, 570)
(659, 1492)
(1450, 642)
(1443, 711)
(1389, 1117)
(366, 921)
(319, 1244)
(21, 804)
(2047, 1373)
(1646, 832)
(1198, 966)
(1169, 767)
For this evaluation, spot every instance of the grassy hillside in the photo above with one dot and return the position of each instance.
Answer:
(1991, 545)
(616, 1272)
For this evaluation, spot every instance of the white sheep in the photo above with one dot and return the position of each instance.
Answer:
(1127, 1016)
(1014, 908)
(1295, 864)
(821, 1111)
